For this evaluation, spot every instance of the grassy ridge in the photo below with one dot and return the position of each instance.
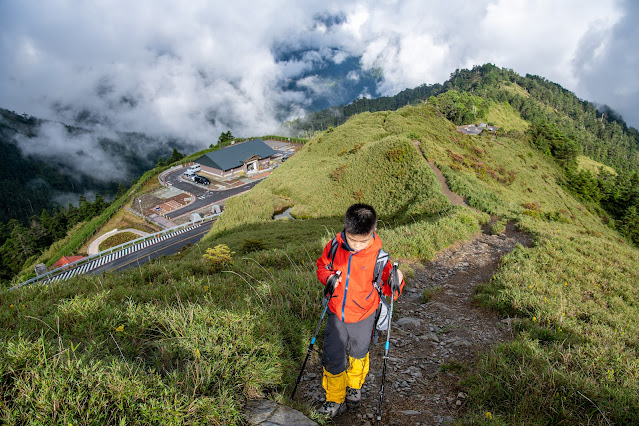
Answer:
(362, 160)
(176, 343)
(574, 360)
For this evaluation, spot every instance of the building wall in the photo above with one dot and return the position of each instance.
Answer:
(262, 165)
(222, 173)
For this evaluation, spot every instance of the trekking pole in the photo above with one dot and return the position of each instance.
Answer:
(327, 295)
(394, 279)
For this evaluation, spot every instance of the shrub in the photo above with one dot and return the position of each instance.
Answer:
(337, 174)
(395, 154)
(535, 206)
(498, 227)
(218, 257)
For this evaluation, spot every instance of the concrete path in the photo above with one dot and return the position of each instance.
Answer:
(268, 413)
(93, 247)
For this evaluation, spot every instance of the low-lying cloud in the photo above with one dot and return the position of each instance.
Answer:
(81, 153)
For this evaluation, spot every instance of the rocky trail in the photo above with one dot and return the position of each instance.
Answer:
(432, 341)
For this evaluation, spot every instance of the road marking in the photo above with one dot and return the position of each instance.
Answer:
(149, 254)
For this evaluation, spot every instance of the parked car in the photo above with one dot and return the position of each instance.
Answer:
(188, 175)
(201, 179)
(194, 168)
(284, 158)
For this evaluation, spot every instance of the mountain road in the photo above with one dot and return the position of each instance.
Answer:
(203, 195)
(163, 248)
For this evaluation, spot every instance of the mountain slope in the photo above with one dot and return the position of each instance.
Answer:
(573, 292)
(29, 184)
(185, 340)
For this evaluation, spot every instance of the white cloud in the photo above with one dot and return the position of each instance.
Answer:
(194, 69)
(80, 152)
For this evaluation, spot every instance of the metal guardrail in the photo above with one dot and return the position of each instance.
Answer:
(87, 264)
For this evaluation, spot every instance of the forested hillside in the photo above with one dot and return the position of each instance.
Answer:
(29, 184)
(45, 178)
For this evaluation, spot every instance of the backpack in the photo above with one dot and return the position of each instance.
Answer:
(382, 318)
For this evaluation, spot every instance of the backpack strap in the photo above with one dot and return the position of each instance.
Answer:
(331, 253)
(380, 264)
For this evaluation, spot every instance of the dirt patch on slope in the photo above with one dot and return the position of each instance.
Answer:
(432, 342)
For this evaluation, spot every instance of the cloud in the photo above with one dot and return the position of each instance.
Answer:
(80, 154)
(191, 70)
(607, 61)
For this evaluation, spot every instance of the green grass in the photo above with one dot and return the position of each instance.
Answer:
(174, 343)
(579, 342)
(427, 295)
(587, 163)
(117, 239)
(168, 343)
(508, 119)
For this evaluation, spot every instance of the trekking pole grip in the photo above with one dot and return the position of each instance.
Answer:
(394, 281)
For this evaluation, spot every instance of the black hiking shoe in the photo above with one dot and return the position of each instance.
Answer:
(353, 396)
(332, 409)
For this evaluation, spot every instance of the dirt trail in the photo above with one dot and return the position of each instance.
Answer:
(454, 199)
(431, 340)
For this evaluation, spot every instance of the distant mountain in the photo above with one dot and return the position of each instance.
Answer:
(600, 132)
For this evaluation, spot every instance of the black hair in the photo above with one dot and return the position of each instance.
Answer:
(360, 219)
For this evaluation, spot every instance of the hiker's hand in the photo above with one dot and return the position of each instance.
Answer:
(333, 282)
(395, 285)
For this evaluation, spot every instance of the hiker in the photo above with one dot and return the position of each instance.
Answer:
(352, 307)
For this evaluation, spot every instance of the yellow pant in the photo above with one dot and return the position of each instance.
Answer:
(335, 384)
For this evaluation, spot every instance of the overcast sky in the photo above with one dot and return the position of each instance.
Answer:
(195, 68)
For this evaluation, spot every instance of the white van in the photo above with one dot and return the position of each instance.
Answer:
(194, 168)
(189, 175)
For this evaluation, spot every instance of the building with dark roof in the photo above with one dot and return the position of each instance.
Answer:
(248, 157)
(475, 129)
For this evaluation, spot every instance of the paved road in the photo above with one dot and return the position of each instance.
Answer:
(204, 196)
(163, 248)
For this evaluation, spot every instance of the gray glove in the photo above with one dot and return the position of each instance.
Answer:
(394, 281)
(331, 283)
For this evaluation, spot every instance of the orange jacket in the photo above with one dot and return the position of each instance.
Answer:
(355, 298)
